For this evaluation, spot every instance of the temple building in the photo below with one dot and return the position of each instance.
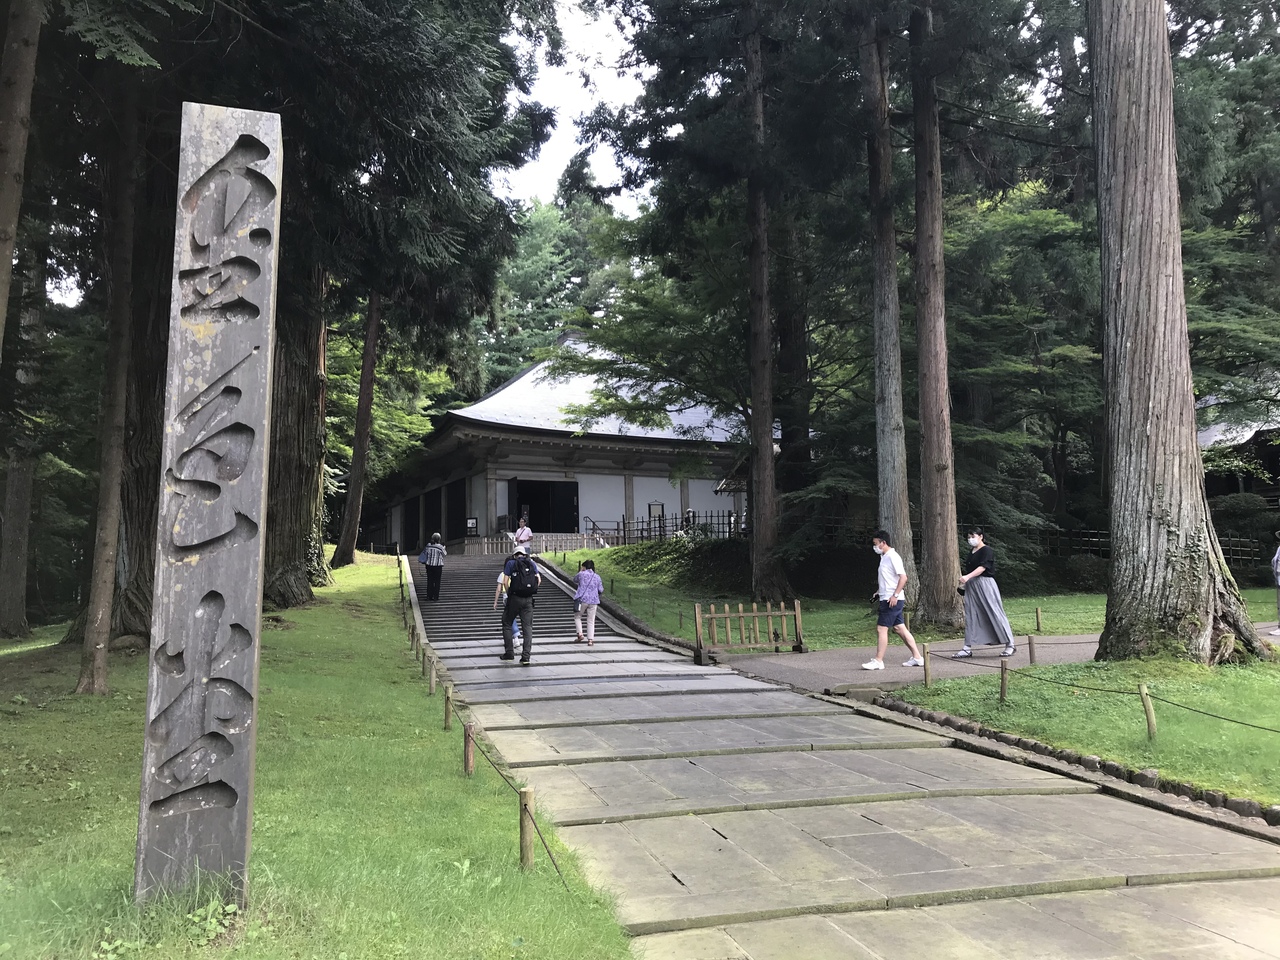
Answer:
(514, 453)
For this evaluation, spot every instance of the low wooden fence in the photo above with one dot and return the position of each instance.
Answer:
(714, 629)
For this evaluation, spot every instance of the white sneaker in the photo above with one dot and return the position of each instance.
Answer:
(913, 662)
(873, 665)
(1275, 632)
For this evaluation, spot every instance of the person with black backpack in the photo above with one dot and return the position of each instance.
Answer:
(521, 578)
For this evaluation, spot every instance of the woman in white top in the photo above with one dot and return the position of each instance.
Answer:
(523, 533)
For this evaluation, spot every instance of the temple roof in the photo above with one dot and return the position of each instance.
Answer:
(533, 401)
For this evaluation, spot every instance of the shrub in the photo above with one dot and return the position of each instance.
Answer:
(1243, 515)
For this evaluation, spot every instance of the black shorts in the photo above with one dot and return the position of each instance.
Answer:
(891, 615)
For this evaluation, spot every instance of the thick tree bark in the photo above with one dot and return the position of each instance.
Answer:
(891, 430)
(768, 579)
(345, 552)
(124, 180)
(794, 391)
(1170, 589)
(13, 544)
(15, 523)
(295, 547)
(144, 419)
(17, 78)
(940, 556)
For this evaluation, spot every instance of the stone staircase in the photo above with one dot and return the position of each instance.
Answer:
(734, 818)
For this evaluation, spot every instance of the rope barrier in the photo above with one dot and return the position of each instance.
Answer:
(1205, 713)
(532, 819)
(1021, 672)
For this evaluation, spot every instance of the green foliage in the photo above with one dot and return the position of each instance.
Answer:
(1224, 461)
(403, 398)
(118, 29)
(556, 277)
(1244, 515)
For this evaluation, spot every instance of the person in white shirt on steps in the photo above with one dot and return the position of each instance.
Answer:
(891, 592)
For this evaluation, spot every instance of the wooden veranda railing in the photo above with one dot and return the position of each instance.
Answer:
(714, 629)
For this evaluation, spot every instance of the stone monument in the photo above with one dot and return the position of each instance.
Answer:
(197, 770)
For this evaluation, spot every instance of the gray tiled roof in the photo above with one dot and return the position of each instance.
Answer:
(533, 401)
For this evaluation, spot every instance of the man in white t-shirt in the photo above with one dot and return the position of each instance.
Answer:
(891, 592)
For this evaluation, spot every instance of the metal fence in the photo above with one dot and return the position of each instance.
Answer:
(707, 525)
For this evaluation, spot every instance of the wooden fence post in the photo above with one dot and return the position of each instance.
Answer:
(928, 670)
(698, 656)
(526, 828)
(448, 706)
(1149, 710)
(1031, 648)
(1004, 680)
(469, 748)
(1039, 622)
(431, 680)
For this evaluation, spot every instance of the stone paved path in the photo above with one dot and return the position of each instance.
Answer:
(733, 818)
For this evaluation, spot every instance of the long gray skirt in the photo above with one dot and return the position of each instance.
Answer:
(984, 619)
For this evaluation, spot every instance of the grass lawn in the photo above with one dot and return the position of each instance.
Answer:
(368, 840)
(830, 624)
(1204, 751)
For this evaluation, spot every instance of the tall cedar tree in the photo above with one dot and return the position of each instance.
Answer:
(1170, 589)
(940, 561)
(122, 189)
(894, 503)
(17, 78)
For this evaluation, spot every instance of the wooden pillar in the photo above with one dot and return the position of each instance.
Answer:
(199, 741)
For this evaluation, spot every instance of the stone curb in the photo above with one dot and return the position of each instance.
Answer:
(1140, 786)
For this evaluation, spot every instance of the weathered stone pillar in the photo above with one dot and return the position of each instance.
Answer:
(197, 771)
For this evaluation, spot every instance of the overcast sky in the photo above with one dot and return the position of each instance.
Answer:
(593, 48)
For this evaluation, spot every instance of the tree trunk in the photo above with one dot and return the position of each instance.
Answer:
(15, 523)
(124, 180)
(940, 555)
(294, 547)
(794, 389)
(891, 430)
(17, 77)
(144, 421)
(345, 552)
(768, 579)
(13, 545)
(1170, 589)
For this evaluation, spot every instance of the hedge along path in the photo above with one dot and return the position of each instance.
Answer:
(710, 802)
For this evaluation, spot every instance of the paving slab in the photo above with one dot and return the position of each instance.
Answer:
(565, 657)
(816, 860)
(630, 741)
(1116, 924)
(512, 671)
(703, 706)
(527, 692)
(622, 790)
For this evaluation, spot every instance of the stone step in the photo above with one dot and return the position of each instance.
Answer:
(1235, 919)
(693, 871)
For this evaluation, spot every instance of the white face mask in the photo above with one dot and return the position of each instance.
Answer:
(877, 548)
(973, 541)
